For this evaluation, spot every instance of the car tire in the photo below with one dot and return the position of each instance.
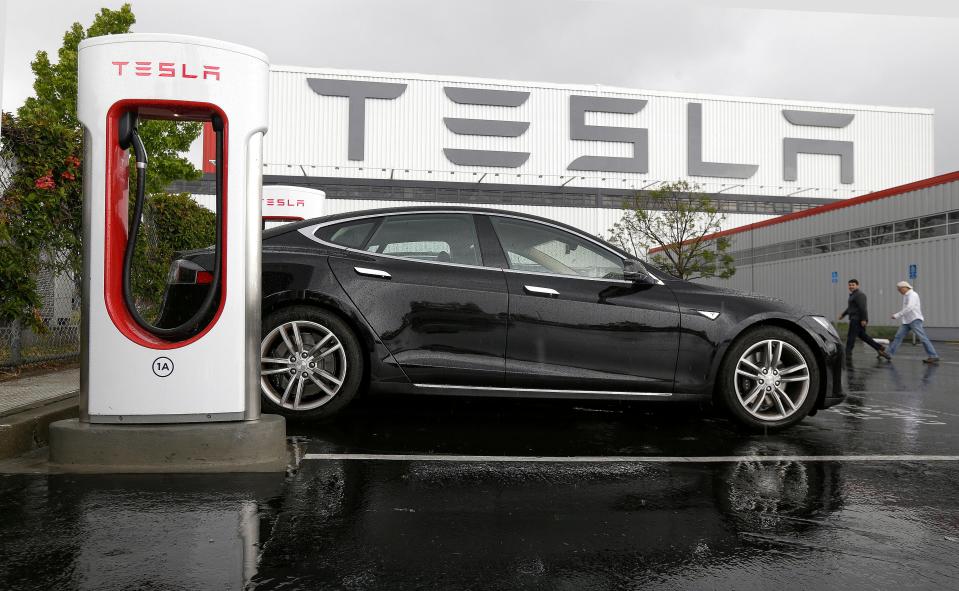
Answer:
(311, 363)
(769, 379)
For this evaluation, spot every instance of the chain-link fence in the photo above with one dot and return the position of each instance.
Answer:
(6, 173)
(60, 314)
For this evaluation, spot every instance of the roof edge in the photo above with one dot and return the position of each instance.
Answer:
(599, 88)
(891, 192)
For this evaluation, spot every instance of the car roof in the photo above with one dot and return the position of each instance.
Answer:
(431, 209)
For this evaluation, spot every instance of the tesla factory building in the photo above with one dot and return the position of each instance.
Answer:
(907, 233)
(572, 153)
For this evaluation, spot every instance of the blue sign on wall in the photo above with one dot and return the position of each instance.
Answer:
(835, 276)
(913, 271)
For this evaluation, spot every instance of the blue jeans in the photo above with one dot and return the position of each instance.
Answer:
(916, 327)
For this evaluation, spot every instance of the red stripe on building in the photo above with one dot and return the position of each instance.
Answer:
(914, 186)
(209, 148)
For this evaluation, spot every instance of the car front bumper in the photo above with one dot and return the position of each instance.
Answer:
(833, 355)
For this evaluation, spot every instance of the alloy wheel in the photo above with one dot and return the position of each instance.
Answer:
(772, 380)
(303, 365)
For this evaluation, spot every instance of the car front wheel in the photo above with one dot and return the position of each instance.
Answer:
(311, 364)
(770, 378)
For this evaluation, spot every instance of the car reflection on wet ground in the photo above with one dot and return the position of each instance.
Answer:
(502, 494)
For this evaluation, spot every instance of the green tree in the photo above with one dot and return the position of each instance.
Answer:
(677, 218)
(41, 205)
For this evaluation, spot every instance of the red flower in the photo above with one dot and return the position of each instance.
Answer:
(73, 161)
(46, 181)
(68, 175)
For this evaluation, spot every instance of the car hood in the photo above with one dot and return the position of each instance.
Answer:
(697, 294)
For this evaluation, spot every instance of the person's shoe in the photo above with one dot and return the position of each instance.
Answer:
(931, 360)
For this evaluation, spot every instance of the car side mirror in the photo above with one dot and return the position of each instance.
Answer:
(634, 271)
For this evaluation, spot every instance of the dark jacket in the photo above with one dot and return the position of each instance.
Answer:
(856, 309)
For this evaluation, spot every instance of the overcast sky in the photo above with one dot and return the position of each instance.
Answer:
(877, 52)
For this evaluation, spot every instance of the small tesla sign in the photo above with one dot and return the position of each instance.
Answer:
(290, 203)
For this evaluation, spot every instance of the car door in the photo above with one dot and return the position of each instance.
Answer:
(418, 279)
(575, 323)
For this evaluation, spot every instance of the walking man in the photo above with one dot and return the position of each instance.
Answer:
(858, 319)
(911, 317)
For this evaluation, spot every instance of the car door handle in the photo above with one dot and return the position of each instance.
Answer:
(543, 291)
(372, 272)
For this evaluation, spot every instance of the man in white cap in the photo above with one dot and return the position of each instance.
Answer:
(911, 317)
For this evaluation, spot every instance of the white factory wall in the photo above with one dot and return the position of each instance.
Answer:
(405, 137)
(807, 280)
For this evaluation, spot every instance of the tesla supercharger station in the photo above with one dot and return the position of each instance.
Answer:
(288, 203)
(206, 371)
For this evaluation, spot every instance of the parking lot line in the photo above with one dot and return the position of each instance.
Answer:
(631, 459)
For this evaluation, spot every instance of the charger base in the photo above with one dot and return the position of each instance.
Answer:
(241, 446)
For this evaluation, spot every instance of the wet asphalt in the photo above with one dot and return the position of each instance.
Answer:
(814, 517)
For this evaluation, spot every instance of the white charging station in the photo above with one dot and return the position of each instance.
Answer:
(289, 203)
(201, 377)
(131, 375)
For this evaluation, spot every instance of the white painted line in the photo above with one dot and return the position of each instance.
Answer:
(630, 459)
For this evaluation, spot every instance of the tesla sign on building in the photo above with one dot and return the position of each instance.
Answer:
(572, 153)
(433, 128)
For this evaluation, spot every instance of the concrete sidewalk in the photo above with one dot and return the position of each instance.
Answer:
(28, 405)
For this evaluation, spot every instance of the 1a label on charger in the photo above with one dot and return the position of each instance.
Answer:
(162, 367)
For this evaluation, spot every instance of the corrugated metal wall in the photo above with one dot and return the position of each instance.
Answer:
(405, 137)
(927, 201)
(807, 280)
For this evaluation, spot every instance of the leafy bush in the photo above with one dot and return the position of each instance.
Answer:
(41, 204)
(172, 222)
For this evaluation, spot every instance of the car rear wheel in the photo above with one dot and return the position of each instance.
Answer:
(769, 379)
(310, 363)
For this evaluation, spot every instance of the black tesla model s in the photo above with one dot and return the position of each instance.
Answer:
(483, 302)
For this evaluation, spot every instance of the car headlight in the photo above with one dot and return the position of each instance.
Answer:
(822, 321)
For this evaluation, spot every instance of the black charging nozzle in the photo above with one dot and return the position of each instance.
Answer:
(129, 137)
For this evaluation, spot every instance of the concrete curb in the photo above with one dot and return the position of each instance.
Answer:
(29, 428)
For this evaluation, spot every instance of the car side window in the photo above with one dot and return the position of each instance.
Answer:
(443, 238)
(351, 234)
(530, 246)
